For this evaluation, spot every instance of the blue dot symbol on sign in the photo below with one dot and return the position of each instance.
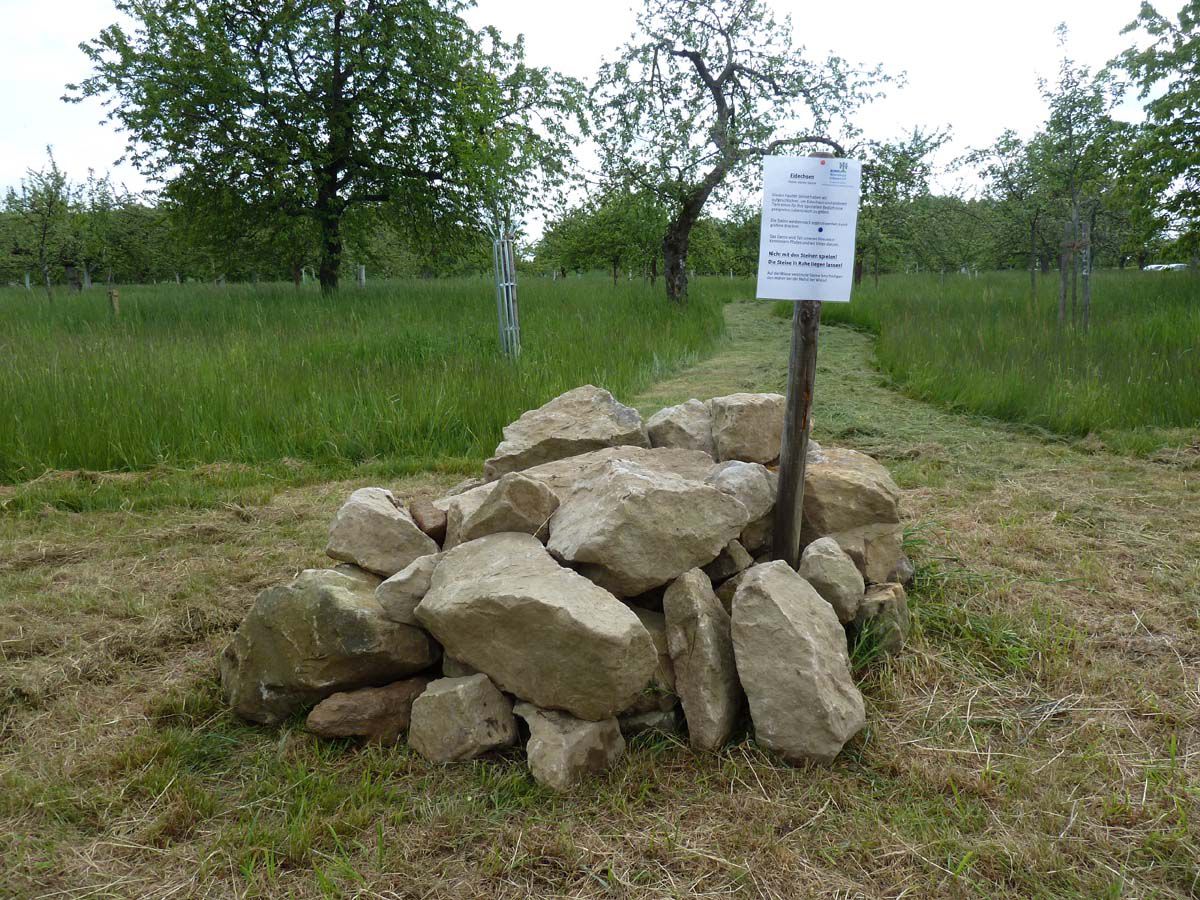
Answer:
(820, 231)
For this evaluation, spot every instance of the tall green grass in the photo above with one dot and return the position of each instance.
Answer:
(411, 370)
(982, 345)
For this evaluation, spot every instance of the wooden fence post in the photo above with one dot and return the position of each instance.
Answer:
(114, 302)
(793, 453)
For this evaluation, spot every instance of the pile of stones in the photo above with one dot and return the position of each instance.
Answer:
(606, 576)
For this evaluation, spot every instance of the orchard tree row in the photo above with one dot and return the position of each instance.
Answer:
(315, 135)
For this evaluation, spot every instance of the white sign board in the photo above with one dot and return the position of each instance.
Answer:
(810, 212)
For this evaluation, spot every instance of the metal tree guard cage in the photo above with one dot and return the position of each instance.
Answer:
(506, 295)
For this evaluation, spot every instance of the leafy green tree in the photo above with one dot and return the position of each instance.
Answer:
(702, 92)
(895, 173)
(1012, 172)
(41, 205)
(1168, 69)
(1082, 142)
(615, 230)
(311, 109)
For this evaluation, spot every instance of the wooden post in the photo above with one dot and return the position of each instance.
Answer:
(362, 276)
(793, 454)
(114, 301)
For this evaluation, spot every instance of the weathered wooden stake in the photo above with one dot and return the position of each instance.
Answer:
(793, 454)
(114, 302)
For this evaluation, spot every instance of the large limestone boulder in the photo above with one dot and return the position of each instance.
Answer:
(320, 635)
(401, 593)
(461, 718)
(503, 606)
(564, 475)
(752, 483)
(793, 664)
(835, 577)
(701, 646)
(379, 714)
(748, 427)
(518, 503)
(884, 612)
(374, 531)
(563, 750)
(687, 426)
(845, 490)
(584, 419)
(631, 528)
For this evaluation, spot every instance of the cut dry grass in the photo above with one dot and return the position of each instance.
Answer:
(1037, 739)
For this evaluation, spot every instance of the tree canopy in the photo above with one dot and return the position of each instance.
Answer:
(292, 115)
(704, 89)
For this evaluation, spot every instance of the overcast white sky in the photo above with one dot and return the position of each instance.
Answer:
(972, 66)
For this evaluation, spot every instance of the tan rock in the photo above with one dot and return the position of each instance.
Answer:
(563, 750)
(748, 427)
(502, 605)
(835, 577)
(631, 528)
(584, 419)
(846, 490)
(373, 531)
(732, 559)
(518, 503)
(456, 719)
(687, 426)
(876, 550)
(379, 714)
(793, 664)
(401, 593)
(751, 483)
(701, 645)
(429, 518)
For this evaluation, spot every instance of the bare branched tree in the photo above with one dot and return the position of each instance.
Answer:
(704, 89)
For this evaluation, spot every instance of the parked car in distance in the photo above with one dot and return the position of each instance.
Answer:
(1166, 267)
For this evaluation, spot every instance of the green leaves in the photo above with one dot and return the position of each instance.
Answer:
(1167, 76)
(268, 115)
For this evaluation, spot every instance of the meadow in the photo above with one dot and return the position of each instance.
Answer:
(1037, 739)
(980, 345)
(246, 374)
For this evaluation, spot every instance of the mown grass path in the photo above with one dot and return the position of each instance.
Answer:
(1038, 739)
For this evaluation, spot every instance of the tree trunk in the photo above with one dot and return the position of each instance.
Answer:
(87, 277)
(616, 264)
(653, 271)
(1089, 229)
(1033, 262)
(858, 269)
(46, 282)
(675, 252)
(875, 266)
(329, 220)
(1064, 275)
(1074, 260)
(297, 275)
